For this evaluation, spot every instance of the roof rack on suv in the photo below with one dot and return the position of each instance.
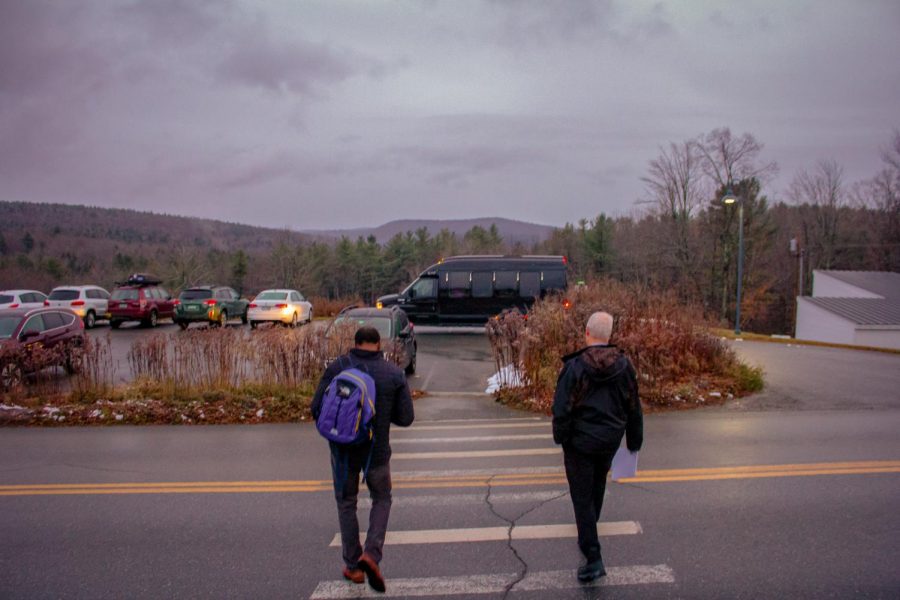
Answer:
(140, 279)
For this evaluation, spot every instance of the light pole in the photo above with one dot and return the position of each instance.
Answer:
(730, 198)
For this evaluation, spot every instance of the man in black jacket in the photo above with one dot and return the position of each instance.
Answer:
(595, 403)
(393, 404)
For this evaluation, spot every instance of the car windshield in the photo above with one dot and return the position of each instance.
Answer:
(272, 296)
(124, 295)
(196, 294)
(5, 299)
(382, 324)
(7, 326)
(64, 295)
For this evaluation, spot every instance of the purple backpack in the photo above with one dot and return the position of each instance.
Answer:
(348, 408)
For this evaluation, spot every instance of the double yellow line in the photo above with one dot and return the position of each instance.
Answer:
(453, 481)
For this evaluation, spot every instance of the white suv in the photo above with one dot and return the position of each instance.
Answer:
(26, 299)
(89, 302)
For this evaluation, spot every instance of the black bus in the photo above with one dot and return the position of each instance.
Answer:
(472, 289)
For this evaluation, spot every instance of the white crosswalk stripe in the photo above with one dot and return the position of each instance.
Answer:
(460, 440)
(494, 584)
(483, 431)
(434, 500)
(475, 454)
(494, 534)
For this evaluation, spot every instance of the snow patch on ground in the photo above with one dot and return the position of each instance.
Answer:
(508, 376)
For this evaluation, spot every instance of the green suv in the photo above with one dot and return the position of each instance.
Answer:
(209, 304)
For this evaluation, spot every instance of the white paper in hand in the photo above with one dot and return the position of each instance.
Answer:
(624, 464)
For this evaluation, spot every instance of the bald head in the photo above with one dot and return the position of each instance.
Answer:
(598, 329)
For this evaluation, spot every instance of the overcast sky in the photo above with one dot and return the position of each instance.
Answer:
(339, 114)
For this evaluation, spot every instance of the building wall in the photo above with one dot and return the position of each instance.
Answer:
(826, 286)
(878, 338)
(817, 324)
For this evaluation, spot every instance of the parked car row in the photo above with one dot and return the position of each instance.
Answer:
(141, 298)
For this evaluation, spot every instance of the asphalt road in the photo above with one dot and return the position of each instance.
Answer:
(749, 500)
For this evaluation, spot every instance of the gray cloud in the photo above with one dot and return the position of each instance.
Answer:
(353, 113)
(299, 67)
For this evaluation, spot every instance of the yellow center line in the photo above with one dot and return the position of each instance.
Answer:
(453, 481)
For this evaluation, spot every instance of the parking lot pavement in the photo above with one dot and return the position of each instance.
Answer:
(800, 377)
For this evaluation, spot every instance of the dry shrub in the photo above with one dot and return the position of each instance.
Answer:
(677, 360)
(217, 362)
(96, 372)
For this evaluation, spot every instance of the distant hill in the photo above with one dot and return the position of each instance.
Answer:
(510, 230)
(42, 245)
(45, 245)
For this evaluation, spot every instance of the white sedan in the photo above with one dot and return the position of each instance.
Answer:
(27, 299)
(288, 307)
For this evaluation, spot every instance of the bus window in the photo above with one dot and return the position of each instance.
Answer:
(530, 284)
(482, 284)
(459, 283)
(553, 280)
(506, 284)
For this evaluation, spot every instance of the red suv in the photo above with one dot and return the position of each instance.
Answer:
(140, 299)
(32, 340)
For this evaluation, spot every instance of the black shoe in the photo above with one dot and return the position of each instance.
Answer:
(373, 573)
(591, 571)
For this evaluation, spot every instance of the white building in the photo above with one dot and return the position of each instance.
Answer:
(861, 308)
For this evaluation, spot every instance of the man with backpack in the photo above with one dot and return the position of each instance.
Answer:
(355, 386)
(595, 404)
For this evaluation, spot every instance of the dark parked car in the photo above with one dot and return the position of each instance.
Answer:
(397, 334)
(32, 340)
(210, 304)
(140, 298)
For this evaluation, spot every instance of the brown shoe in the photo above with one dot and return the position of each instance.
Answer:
(354, 575)
(370, 567)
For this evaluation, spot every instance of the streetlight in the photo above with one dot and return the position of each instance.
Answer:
(730, 198)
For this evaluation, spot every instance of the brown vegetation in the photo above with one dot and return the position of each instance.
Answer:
(679, 363)
(199, 376)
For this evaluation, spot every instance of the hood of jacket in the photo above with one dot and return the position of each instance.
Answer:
(600, 362)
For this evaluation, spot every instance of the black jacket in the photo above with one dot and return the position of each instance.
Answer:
(596, 402)
(393, 404)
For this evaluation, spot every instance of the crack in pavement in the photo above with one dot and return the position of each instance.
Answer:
(511, 523)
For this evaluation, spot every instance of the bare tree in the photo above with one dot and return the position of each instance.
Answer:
(726, 159)
(675, 180)
(185, 266)
(882, 195)
(675, 186)
(822, 190)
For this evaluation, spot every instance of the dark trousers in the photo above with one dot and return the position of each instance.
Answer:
(587, 483)
(378, 481)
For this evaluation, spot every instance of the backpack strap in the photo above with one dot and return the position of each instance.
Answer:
(365, 367)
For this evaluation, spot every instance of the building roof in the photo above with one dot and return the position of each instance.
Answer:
(862, 311)
(883, 283)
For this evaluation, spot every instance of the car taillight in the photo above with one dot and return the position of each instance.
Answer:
(16, 305)
(176, 302)
(46, 303)
(77, 302)
(211, 302)
(252, 305)
(143, 304)
(281, 306)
